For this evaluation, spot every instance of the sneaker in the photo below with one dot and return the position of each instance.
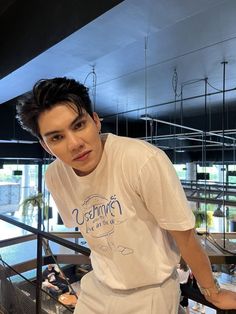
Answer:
(196, 307)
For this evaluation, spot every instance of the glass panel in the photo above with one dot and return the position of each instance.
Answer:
(181, 171)
(214, 172)
(232, 174)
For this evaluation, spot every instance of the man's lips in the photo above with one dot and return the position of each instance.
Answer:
(82, 156)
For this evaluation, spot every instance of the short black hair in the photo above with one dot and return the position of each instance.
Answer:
(47, 93)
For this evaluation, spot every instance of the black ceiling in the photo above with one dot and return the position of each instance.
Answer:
(28, 28)
(160, 58)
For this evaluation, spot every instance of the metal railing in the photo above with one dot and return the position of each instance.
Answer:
(39, 235)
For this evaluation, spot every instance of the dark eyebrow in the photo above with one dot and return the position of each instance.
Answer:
(75, 121)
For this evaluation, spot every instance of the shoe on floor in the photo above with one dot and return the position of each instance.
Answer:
(202, 310)
(196, 307)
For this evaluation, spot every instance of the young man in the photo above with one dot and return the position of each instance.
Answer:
(126, 199)
(52, 280)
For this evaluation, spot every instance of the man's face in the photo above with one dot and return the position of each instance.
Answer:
(73, 139)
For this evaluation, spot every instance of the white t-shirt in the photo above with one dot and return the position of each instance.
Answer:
(123, 209)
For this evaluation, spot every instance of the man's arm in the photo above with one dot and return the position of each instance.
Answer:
(59, 273)
(48, 284)
(197, 259)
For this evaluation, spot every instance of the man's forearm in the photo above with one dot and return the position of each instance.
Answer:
(195, 256)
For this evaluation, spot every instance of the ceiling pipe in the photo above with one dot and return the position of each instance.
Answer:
(185, 127)
(163, 138)
(18, 142)
(167, 103)
(192, 134)
(214, 144)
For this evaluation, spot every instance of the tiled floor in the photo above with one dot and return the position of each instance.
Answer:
(207, 309)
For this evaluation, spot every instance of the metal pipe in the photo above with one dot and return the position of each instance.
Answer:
(167, 103)
(39, 246)
(232, 131)
(189, 128)
(70, 245)
(223, 146)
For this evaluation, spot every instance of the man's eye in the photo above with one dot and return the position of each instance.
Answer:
(79, 125)
(56, 138)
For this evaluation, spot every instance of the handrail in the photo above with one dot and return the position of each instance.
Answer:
(42, 234)
(85, 251)
(189, 292)
(11, 270)
(73, 246)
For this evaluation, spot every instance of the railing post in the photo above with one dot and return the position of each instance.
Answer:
(39, 263)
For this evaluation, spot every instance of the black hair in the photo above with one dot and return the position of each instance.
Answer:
(45, 95)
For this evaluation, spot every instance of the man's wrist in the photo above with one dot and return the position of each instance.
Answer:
(210, 291)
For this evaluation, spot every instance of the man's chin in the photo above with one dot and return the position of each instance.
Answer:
(82, 172)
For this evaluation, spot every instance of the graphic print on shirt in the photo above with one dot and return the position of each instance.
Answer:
(123, 250)
(98, 217)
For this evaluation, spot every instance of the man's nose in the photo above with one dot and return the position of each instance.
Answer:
(74, 141)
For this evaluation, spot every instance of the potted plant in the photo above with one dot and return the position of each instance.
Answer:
(203, 217)
(34, 201)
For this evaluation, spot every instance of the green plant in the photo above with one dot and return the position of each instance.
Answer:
(202, 217)
(232, 217)
(34, 201)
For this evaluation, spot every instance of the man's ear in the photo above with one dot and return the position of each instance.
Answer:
(97, 121)
(45, 147)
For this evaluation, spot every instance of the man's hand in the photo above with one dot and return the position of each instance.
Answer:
(225, 299)
(55, 287)
(195, 256)
(50, 285)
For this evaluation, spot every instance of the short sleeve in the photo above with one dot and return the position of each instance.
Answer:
(162, 192)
